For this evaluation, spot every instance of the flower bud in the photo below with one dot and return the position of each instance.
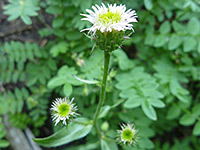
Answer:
(127, 135)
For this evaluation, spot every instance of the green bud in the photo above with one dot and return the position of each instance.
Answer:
(105, 126)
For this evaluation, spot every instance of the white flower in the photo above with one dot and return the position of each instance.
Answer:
(127, 134)
(108, 19)
(63, 110)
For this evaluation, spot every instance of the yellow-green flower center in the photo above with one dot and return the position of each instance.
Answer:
(63, 109)
(127, 135)
(110, 17)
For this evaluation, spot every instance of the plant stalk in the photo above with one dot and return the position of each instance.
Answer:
(103, 90)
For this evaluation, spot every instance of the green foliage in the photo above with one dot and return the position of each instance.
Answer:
(13, 102)
(92, 65)
(170, 77)
(73, 132)
(61, 47)
(65, 77)
(13, 59)
(3, 143)
(23, 9)
(157, 68)
(20, 120)
(140, 89)
(108, 145)
(21, 73)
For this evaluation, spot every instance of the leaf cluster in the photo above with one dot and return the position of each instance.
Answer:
(153, 83)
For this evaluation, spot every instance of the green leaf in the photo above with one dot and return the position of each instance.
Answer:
(187, 119)
(26, 19)
(149, 40)
(198, 49)
(85, 4)
(76, 2)
(87, 146)
(165, 27)
(73, 35)
(196, 129)
(4, 143)
(56, 81)
(58, 22)
(196, 110)
(173, 112)
(108, 145)
(67, 74)
(86, 81)
(177, 90)
(60, 48)
(2, 134)
(146, 143)
(44, 32)
(70, 133)
(64, 76)
(124, 62)
(140, 88)
(174, 42)
(193, 26)
(170, 76)
(160, 40)
(4, 105)
(70, 11)
(149, 110)
(189, 44)
(104, 111)
(67, 89)
(92, 67)
(148, 4)
(23, 9)
(157, 103)
(133, 102)
(179, 28)
(54, 10)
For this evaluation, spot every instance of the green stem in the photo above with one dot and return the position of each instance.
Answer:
(103, 90)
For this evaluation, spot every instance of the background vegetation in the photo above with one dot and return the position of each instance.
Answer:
(153, 82)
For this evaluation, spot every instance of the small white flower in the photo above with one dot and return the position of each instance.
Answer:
(127, 134)
(108, 19)
(63, 109)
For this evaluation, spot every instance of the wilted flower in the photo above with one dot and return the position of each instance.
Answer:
(109, 25)
(127, 134)
(63, 110)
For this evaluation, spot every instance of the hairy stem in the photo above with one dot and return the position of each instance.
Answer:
(103, 90)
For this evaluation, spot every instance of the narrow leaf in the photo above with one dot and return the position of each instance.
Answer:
(104, 111)
(86, 81)
(72, 132)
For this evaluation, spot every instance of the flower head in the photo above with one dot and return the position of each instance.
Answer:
(127, 134)
(63, 110)
(109, 25)
(110, 18)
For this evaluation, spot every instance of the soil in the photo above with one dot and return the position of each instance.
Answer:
(17, 30)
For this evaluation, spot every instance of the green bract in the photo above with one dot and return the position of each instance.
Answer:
(127, 134)
(109, 41)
